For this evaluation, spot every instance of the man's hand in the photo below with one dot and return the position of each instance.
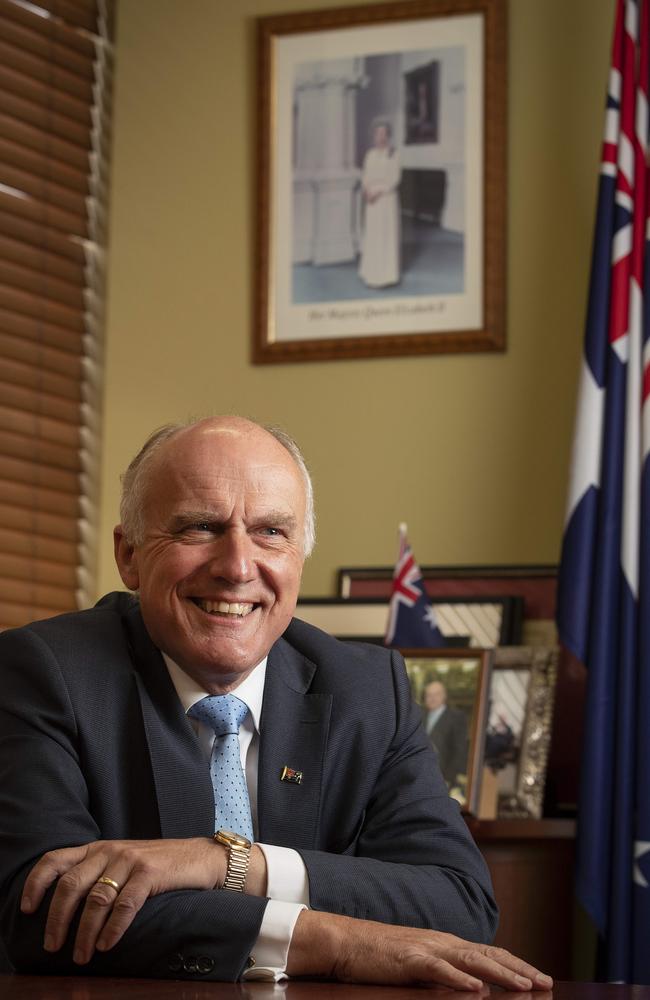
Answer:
(364, 951)
(141, 868)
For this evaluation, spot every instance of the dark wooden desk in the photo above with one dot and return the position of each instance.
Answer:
(80, 988)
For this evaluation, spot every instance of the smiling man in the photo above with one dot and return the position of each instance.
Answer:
(118, 773)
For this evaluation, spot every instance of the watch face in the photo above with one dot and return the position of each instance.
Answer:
(233, 838)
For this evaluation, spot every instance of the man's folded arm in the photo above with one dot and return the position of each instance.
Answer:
(185, 934)
(45, 804)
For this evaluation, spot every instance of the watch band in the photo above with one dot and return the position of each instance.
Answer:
(239, 856)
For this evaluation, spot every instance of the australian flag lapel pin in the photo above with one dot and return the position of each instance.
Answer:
(291, 775)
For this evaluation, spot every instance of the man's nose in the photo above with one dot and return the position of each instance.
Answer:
(233, 558)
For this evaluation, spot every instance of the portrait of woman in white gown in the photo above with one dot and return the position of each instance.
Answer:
(380, 245)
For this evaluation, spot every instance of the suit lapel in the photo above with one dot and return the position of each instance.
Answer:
(181, 777)
(294, 728)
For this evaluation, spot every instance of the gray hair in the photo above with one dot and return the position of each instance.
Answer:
(135, 480)
(381, 122)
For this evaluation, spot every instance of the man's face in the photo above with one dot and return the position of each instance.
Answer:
(434, 695)
(218, 571)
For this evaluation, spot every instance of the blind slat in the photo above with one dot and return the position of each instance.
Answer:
(33, 594)
(14, 82)
(22, 543)
(39, 356)
(32, 401)
(38, 498)
(25, 375)
(40, 331)
(16, 300)
(44, 190)
(39, 141)
(43, 214)
(15, 567)
(42, 428)
(40, 260)
(12, 615)
(42, 238)
(43, 453)
(37, 522)
(57, 77)
(75, 14)
(41, 284)
(45, 119)
(47, 38)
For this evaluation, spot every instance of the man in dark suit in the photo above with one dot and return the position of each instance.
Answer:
(446, 727)
(361, 868)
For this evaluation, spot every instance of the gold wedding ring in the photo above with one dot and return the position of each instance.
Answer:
(105, 880)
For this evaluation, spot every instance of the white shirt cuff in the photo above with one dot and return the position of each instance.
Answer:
(286, 875)
(272, 945)
(287, 886)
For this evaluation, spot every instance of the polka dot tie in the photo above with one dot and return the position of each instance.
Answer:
(225, 714)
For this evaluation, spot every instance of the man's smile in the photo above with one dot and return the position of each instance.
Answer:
(236, 609)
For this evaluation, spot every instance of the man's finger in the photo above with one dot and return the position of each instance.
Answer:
(437, 971)
(125, 909)
(73, 886)
(517, 965)
(97, 910)
(43, 874)
(503, 970)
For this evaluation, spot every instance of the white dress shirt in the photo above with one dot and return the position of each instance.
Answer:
(287, 881)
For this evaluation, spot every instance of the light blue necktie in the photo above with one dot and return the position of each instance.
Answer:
(232, 809)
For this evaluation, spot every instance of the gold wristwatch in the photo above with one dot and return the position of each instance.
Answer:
(239, 856)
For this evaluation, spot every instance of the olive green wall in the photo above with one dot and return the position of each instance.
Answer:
(471, 450)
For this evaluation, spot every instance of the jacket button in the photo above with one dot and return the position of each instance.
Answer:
(175, 963)
(189, 965)
(204, 964)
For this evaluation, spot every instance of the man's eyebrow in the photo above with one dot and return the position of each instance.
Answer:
(276, 518)
(183, 517)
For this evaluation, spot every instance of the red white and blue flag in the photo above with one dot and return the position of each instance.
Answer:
(604, 595)
(411, 618)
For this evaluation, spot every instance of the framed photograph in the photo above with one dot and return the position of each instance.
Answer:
(381, 181)
(518, 732)
(481, 623)
(451, 687)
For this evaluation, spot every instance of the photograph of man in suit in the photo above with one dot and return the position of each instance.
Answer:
(134, 733)
(446, 727)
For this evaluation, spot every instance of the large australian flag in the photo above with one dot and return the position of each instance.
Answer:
(411, 618)
(604, 592)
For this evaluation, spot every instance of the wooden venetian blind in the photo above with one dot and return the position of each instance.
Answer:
(55, 85)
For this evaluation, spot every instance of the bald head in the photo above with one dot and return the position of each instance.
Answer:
(435, 695)
(239, 430)
(222, 511)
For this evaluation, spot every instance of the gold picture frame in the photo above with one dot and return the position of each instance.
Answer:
(417, 91)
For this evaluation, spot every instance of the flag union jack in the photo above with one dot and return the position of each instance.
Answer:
(604, 591)
(411, 618)
(407, 573)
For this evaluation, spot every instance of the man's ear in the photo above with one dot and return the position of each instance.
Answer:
(126, 559)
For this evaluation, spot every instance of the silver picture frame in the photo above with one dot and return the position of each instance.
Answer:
(518, 732)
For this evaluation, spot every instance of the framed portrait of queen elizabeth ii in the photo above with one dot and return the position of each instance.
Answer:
(381, 181)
